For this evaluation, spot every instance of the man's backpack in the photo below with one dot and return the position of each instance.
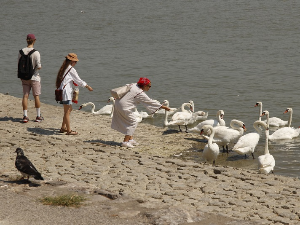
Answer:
(25, 68)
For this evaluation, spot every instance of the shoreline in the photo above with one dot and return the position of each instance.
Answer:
(93, 163)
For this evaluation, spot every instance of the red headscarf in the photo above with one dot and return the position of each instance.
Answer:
(143, 81)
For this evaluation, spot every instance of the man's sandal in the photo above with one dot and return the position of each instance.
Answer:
(72, 133)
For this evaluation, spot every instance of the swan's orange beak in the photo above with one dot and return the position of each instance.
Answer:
(80, 107)
(191, 108)
(221, 116)
(201, 132)
(244, 127)
(286, 111)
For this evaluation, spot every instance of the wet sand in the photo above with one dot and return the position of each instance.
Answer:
(141, 185)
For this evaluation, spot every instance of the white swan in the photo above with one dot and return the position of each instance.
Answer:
(199, 115)
(162, 111)
(266, 162)
(218, 122)
(211, 150)
(225, 135)
(145, 115)
(248, 142)
(284, 132)
(179, 118)
(273, 121)
(137, 115)
(105, 110)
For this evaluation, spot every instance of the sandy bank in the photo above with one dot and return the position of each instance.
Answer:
(150, 186)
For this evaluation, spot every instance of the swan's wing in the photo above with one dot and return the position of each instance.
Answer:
(226, 135)
(276, 122)
(284, 133)
(207, 122)
(247, 141)
(105, 110)
(193, 130)
(182, 116)
(200, 125)
(210, 152)
(266, 163)
(144, 114)
(266, 160)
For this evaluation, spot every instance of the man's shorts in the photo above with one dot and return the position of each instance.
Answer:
(31, 84)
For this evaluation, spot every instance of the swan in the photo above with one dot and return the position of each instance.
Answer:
(145, 115)
(225, 135)
(260, 109)
(284, 132)
(179, 118)
(162, 111)
(248, 142)
(199, 115)
(213, 122)
(105, 110)
(266, 162)
(211, 150)
(273, 121)
(137, 115)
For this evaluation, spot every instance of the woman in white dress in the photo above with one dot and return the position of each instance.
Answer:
(123, 119)
(66, 76)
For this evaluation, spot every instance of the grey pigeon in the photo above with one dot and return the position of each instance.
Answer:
(25, 167)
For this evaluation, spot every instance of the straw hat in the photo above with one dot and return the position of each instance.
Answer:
(72, 57)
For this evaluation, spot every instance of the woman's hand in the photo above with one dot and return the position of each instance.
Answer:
(165, 107)
(89, 88)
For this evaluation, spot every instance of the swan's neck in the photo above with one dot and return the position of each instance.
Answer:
(256, 127)
(183, 107)
(267, 142)
(113, 108)
(93, 108)
(267, 120)
(290, 119)
(166, 116)
(221, 121)
(211, 137)
(260, 111)
(237, 125)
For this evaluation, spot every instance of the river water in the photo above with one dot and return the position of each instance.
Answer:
(220, 54)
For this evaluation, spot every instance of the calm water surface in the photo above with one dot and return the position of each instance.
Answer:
(221, 54)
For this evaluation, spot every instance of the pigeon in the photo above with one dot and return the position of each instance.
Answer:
(25, 167)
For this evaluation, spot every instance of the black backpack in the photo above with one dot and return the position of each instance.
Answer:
(25, 68)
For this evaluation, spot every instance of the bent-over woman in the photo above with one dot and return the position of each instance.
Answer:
(123, 119)
(64, 81)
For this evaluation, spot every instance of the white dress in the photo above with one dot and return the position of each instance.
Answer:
(68, 83)
(123, 119)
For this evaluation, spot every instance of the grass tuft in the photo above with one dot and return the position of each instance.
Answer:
(64, 200)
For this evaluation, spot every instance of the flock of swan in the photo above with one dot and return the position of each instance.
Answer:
(217, 134)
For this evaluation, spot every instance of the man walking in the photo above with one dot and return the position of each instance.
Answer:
(34, 82)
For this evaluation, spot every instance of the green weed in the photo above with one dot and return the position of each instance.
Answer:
(64, 200)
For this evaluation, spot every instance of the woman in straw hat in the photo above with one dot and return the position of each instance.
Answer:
(66, 76)
(123, 119)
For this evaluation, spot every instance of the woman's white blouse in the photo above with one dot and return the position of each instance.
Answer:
(68, 81)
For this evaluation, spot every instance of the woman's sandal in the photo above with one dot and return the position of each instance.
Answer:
(62, 130)
(72, 132)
